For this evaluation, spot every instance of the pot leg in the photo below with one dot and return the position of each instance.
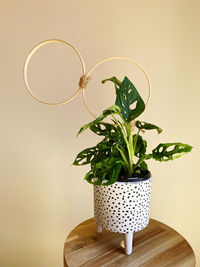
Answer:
(98, 229)
(128, 243)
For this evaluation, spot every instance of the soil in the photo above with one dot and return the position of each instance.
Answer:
(136, 177)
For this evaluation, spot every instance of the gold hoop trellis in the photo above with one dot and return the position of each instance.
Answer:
(84, 78)
(32, 52)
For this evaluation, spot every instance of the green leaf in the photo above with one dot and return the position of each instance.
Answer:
(108, 169)
(114, 174)
(85, 156)
(126, 96)
(170, 151)
(84, 127)
(105, 129)
(115, 81)
(142, 125)
(115, 138)
(140, 151)
(112, 110)
(141, 146)
(143, 166)
(94, 154)
(111, 132)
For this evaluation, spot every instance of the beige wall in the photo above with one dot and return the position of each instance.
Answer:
(42, 197)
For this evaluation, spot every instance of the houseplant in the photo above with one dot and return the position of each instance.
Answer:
(119, 172)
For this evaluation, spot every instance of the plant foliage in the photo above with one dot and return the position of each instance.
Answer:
(121, 151)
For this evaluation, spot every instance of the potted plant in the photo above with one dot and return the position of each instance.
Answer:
(119, 172)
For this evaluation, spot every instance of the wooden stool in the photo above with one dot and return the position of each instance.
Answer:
(155, 246)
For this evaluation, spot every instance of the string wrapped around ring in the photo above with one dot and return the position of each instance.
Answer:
(84, 81)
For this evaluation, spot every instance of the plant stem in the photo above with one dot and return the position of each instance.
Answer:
(139, 162)
(130, 145)
(126, 136)
(126, 164)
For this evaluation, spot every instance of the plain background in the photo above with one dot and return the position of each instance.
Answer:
(42, 197)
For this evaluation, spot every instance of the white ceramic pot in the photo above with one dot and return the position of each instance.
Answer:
(122, 207)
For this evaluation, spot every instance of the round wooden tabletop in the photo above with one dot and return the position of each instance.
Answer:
(157, 245)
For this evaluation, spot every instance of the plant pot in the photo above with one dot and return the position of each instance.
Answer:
(123, 207)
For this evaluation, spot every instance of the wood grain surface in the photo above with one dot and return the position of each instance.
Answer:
(157, 245)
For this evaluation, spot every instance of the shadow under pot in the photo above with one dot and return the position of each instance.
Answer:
(123, 207)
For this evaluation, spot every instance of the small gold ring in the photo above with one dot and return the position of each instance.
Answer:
(31, 53)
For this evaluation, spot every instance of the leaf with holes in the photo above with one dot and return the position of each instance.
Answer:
(111, 132)
(85, 156)
(128, 96)
(105, 172)
(114, 139)
(170, 151)
(94, 154)
(102, 128)
(112, 110)
(142, 125)
(121, 152)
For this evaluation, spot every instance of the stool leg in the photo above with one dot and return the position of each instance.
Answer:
(98, 229)
(128, 243)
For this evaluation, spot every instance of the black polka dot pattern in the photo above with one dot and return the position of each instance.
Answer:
(123, 207)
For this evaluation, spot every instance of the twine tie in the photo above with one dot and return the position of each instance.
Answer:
(84, 81)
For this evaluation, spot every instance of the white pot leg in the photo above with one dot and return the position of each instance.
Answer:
(128, 243)
(98, 229)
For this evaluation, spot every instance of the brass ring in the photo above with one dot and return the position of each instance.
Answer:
(31, 53)
(109, 59)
